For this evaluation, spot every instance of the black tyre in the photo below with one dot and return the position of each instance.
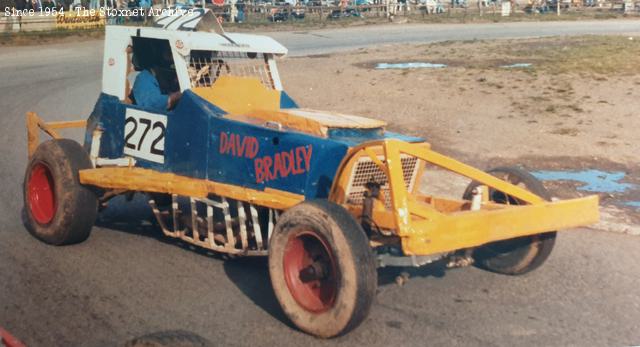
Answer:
(171, 338)
(57, 208)
(519, 255)
(322, 268)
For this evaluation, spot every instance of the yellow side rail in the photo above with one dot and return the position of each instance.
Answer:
(146, 180)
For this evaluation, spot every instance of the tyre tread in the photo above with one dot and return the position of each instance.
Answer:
(77, 205)
(546, 240)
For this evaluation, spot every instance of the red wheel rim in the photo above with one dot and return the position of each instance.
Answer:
(41, 196)
(310, 272)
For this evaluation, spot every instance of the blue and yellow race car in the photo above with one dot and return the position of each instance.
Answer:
(231, 163)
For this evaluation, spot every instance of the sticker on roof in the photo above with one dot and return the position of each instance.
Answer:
(188, 19)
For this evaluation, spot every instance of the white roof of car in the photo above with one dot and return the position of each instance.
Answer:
(197, 31)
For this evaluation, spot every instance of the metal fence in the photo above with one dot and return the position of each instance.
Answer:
(244, 12)
(272, 13)
(32, 23)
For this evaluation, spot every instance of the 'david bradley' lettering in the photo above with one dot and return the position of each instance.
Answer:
(294, 162)
(239, 146)
(282, 164)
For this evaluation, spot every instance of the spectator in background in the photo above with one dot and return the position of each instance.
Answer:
(544, 6)
(49, 4)
(145, 5)
(21, 5)
(240, 7)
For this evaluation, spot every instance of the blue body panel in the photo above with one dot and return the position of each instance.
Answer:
(201, 143)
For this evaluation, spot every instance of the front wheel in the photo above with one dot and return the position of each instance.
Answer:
(57, 208)
(522, 254)
(322, 268)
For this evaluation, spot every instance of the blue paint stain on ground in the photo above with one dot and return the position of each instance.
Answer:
(594, 180)
(517, 66)
(635, 204)
(416, 65)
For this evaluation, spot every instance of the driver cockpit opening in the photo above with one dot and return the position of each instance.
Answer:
(152, 74)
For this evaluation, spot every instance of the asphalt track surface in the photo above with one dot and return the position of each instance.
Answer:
(127, 280)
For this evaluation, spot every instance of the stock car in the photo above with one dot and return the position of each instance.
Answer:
(238, 167)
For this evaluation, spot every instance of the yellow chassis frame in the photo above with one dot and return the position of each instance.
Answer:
(425, 224)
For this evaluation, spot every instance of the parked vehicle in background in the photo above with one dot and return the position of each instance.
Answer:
(564, 4)
(320, 3)
(283, 13)
(349, 12)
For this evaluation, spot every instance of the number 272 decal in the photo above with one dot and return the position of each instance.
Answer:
(144, 134)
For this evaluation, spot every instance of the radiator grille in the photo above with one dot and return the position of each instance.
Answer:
(366, 169)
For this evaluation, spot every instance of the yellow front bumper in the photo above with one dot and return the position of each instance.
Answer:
(428, 225)
(466, 229)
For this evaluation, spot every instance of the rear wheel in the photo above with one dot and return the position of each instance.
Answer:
(58, 209)
(519, 255)
(322, 268)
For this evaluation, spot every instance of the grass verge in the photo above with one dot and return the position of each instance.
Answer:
(49, 36)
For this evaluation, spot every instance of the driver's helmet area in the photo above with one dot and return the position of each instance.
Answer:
(155, 56)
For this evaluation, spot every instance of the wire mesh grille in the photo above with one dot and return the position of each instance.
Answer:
(205, 67)
(366, 170)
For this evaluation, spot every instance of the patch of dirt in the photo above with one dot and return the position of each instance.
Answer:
(542, 116)
(325, 55)
(565, 131)
(481, 112)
